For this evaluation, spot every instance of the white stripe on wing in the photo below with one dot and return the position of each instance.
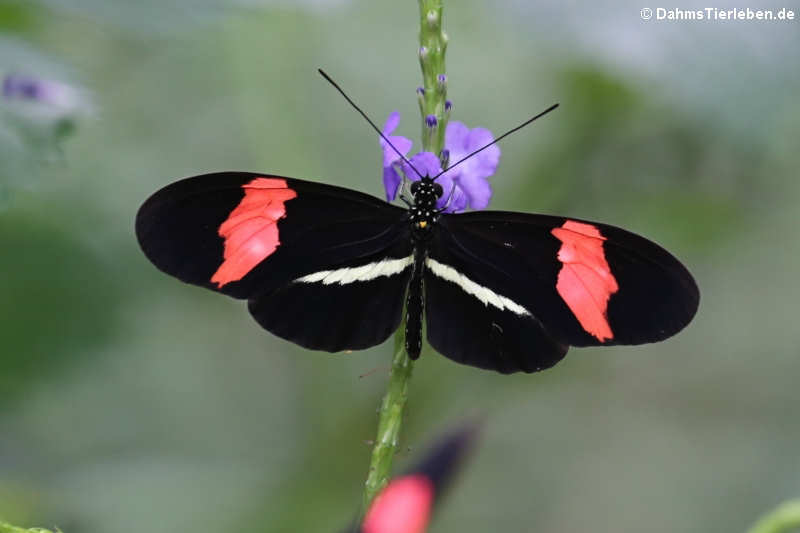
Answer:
(485, 295)
(342, 276)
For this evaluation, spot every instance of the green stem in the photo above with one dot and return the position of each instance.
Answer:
(433, 44)
(389, 420)
(781, 520)
(5, 527)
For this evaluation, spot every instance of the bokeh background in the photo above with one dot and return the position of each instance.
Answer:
(130, 402)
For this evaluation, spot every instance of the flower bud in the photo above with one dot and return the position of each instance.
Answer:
(433, 18)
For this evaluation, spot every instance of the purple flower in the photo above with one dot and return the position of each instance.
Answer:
(471, 176)
(426, 164)
(391, 179)
(464, 186)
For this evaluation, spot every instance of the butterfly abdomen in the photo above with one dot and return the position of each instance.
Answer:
(415, 306)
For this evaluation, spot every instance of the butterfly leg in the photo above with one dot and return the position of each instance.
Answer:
(449, 200)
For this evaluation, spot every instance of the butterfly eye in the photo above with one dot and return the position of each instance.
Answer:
(438, 190)
(414, 187)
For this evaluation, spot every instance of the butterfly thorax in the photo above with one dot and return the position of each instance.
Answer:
(422, 212)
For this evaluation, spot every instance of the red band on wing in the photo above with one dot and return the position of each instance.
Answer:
(585, 281)
(404, 506)
(251, 230)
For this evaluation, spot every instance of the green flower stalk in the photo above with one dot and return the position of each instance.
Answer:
(390, 418)
(435, 111)
(433, 97)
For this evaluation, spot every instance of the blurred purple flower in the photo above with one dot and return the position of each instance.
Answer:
(467, 183)
(48, 92)
(391, 179)
(45, 103)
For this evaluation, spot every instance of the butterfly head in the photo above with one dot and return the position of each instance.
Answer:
(423, 211)
(426, 191)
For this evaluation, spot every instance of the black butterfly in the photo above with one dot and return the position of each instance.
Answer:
(329, 268)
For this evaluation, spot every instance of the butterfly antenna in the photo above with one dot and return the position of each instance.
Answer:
(324, 75)
(506, 134)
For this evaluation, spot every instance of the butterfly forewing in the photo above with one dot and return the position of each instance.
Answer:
(218, 230)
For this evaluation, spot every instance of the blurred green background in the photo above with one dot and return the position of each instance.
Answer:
(130, 402)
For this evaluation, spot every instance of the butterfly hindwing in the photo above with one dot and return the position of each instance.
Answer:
(473, 324)
(587, 283)
(346, 308)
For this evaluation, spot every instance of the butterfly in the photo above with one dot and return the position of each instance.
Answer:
(331, 268)
(407, 502)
